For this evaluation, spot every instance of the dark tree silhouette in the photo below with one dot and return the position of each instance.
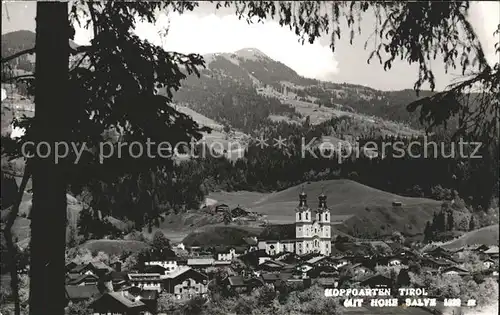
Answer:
(48, 217)
(160, 241)
(472, 224)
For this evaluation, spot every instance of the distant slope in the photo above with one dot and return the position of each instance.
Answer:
(17, 41)
(487, 235)
(357, 209)
(251, 68)
(114, 247)
(221, 235)
(22, 223)
(231, 144)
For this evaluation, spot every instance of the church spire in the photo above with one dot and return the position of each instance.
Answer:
(303, 198)
(322, 198)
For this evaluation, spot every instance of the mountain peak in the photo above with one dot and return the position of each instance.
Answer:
(250, 53)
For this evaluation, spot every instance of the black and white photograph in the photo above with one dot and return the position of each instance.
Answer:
(250, 158)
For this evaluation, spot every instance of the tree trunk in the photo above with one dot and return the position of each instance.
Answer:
(48, 218)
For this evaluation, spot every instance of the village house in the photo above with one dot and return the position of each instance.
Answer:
(251, 243)
(229, 253)
(316, 260)
(70, 266)
(455, 270)
(392, 261)
(146, 281)
(304, 268)
(273, 278)
(241, 284)
(254, 259)
(357, 269)
(96, 268)
(81, 279)
(79, 293)
(118, 279)
(288, 258)
(271, 266)
(222, 263)
(329, 283)
(148, 297)
(221, 208)
(376, 281)
(480, 249)
(155, 269)
(185, 282)
(169, 265)
(323, 272)
(118, 303)
(488, 263)
(341, 261)
(236, 284)
(492, 252)
(200, 263)
(435, 264)
(239, 212)
(439, 252)
(116, 266)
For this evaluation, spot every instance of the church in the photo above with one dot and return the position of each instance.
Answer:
(312, 231)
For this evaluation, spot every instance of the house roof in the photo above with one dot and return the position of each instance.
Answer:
(226, 249)
(123, 299)
(71, 265)
(441, 262)
(480, 247)
(72, 276)
(155, 269)
(276, 276)
(149, 295)
(492, 250)
(81, 278)
(144, 276)
(454, 268)
(270, 262)
(438, 249)
(316, 259)
(118, 275)
(100, 265)
(353, 266)
(79, 268)
(377, 276)
(177, 272)
(327, 281)
(236, 281)
(200, 261)
(81, 292)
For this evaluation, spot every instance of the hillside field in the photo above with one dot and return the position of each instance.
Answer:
(353, 207)
(487, 235)
(114, 247)
(221, 235)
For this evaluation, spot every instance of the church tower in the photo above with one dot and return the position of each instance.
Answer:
(323, 236)
(303, 226)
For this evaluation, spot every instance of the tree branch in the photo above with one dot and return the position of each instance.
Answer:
(30, 51)
(23, 76)
(14, 281)
(18, 54)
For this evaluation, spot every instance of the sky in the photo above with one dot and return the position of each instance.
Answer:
(207, 30)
